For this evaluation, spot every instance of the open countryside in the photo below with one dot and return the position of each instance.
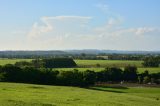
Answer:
(84, 65)
(80, 53)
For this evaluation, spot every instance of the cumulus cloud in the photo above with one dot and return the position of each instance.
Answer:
(70, 32)
(51, 24)
(40, 29)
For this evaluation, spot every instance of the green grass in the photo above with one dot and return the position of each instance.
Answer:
(80, 69)
(85, 63)
(140, 70)
(151, 70)
(12, 94)
(105, 63)
(91, 64)
(11, 61)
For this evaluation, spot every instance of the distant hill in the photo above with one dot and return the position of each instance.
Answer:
(96, 51)
(51, 53)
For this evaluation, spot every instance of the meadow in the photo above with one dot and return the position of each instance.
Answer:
(15, 94)
(92, 64)
(19, 94)
(140, 70)
(85, 63)
(105, 63)
(11, 61)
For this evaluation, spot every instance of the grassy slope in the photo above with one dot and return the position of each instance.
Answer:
(12, 94)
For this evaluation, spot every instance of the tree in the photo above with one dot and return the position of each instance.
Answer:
(151, 61)
(23, 64)
(130, 73)
(109, 74)
(11, 73)
(89, 77)
(37, 63)
(142, 75)
(114, 74)
(59, 63)
(146, 79)
(71, 78)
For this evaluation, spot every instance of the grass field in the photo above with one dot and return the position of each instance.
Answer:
(11, 61)
(86, 63)
(12, 94)
(140, 70)
(105, 63)
(92, 64)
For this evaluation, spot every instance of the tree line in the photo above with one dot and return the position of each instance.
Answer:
(13, 73)
(48, 63)
(77, 55)
(152, 61)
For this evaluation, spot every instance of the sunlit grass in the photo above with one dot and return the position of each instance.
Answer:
(12, 94)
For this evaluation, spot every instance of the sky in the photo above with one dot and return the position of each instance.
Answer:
(80, 24)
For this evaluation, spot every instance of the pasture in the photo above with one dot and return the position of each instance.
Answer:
(86, 63)
(92, 64)
(15, 94)
(140, 70)
(106, 63)
(11, 61)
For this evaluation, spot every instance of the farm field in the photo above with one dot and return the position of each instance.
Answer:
(86, 63)
(15, 94)
(140, 70)
(105, 63)
(92, 64)
(11, 61)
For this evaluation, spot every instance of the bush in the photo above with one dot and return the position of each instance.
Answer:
(23, 64)
(130, 73)
(114, 74)
(89, 77)
(151, 62)
(71, 78)
(146, 79)
(109, 74)
(59, 63)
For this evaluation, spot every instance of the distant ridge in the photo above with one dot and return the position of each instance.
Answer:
(96, 51)
(65, 52)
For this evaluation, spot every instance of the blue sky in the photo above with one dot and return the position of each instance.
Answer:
(79, 24)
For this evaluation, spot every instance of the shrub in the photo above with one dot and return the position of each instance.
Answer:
(151, 62)
(130, 73)
(59, 63)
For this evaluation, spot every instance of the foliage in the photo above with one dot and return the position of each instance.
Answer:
(151, 61)
(130, 73)
(58, 62)
(23, 64)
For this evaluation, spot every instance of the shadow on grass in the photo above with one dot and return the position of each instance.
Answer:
(115, 89)
(36, 87)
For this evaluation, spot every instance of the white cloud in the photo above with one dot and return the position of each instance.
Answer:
(63, 18)
(144, 30)
(37, 29)
(104, 7)
(50, 24)
(76, 32)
